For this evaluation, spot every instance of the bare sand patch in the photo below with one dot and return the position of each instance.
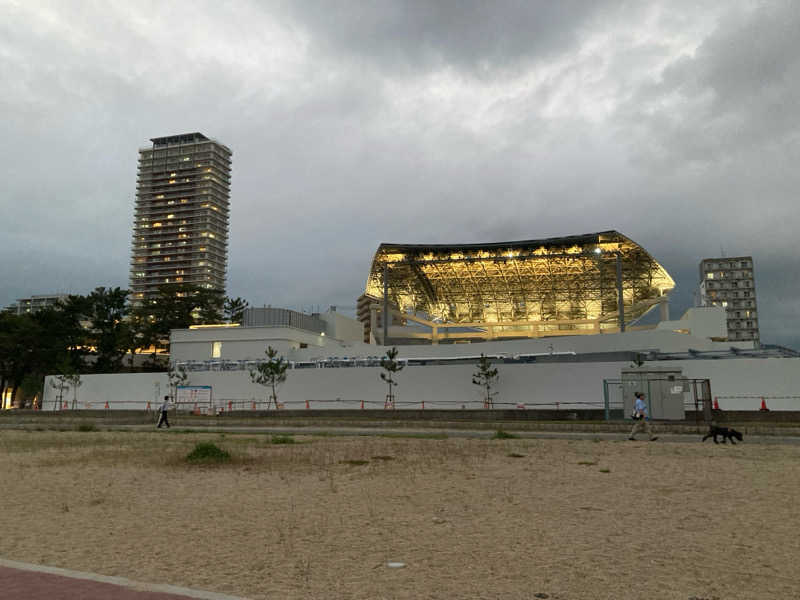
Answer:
(469, 518)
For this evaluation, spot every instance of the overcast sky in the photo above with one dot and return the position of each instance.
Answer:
(355, 123)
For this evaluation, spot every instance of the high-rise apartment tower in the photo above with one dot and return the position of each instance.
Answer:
(180, 231)
(729, 282)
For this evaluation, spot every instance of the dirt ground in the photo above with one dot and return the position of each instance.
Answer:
(469, 518)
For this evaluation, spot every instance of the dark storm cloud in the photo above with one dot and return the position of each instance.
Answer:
(357, 123)
(469, 35)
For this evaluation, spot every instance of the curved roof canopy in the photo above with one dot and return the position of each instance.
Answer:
(554, 279)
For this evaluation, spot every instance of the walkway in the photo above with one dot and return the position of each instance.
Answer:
(25, 581)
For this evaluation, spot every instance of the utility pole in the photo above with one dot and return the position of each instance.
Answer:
(620, 303)
(385, 303)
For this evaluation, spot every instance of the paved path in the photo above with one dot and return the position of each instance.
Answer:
(463, 433)
(25, 581)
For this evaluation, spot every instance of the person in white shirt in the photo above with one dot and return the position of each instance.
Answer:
(163, 417)
(640, 418)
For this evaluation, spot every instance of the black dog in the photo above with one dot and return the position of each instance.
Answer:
(725, 432)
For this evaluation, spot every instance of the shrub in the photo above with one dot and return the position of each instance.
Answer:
(283, 439)
(208, 453)
(503, 435)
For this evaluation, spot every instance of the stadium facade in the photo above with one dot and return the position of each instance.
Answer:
(574, 285)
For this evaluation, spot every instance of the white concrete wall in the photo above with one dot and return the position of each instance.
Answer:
(705, 322)
(449, 386)
(121, 391)
(248, 343)
(757, 377)
(343, 328)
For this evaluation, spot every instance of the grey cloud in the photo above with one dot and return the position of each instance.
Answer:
(741, 89)
(340, 145)
(471, 35)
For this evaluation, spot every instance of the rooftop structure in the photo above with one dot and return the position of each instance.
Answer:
(547, 287)
(729, 283)
(180, 232)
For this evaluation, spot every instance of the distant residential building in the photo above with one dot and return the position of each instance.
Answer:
(180, 231)
(34, 303)
(730, 283)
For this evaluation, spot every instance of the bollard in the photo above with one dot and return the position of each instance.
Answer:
(254, 404)
(308, 406)
(106, 406)
(423, 405)
(147, 408)
(230, 405)
(362, 405)
(716, 404)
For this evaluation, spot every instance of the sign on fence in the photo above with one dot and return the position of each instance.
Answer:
(194, 394)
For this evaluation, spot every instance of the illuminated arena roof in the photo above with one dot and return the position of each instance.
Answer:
(555, 286)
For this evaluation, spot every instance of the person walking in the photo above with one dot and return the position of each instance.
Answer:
(640, 418)
(163, 416)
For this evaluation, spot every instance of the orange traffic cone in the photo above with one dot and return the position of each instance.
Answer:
(716, 404)
(362, 405)
(147, 408)
(64, 407)
(106, 406)
(307, 405)
(254, 404)
(230, 405)
(423, 405)
(763, 406)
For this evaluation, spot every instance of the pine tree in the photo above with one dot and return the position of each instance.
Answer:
(270, 373)
(392, 367)
(486, 377)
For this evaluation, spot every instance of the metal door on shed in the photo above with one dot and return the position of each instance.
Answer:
(666, 398)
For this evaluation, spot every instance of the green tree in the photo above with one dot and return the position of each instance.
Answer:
(486, 377)
(106, 310)
(392, 368)
(66, 378)
(234, 309)
(270, 373)
(178, 306)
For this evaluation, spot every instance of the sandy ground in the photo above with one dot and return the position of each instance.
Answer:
(567, 519)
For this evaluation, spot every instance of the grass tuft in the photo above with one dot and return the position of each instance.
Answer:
(588, 463)
(86, 427)
(283, 439)
(605, 470)
(206, 452)
(355, 463)
(516, 455)
(503, 435)
(383, 457)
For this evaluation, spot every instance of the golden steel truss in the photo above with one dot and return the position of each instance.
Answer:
(570, 279)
